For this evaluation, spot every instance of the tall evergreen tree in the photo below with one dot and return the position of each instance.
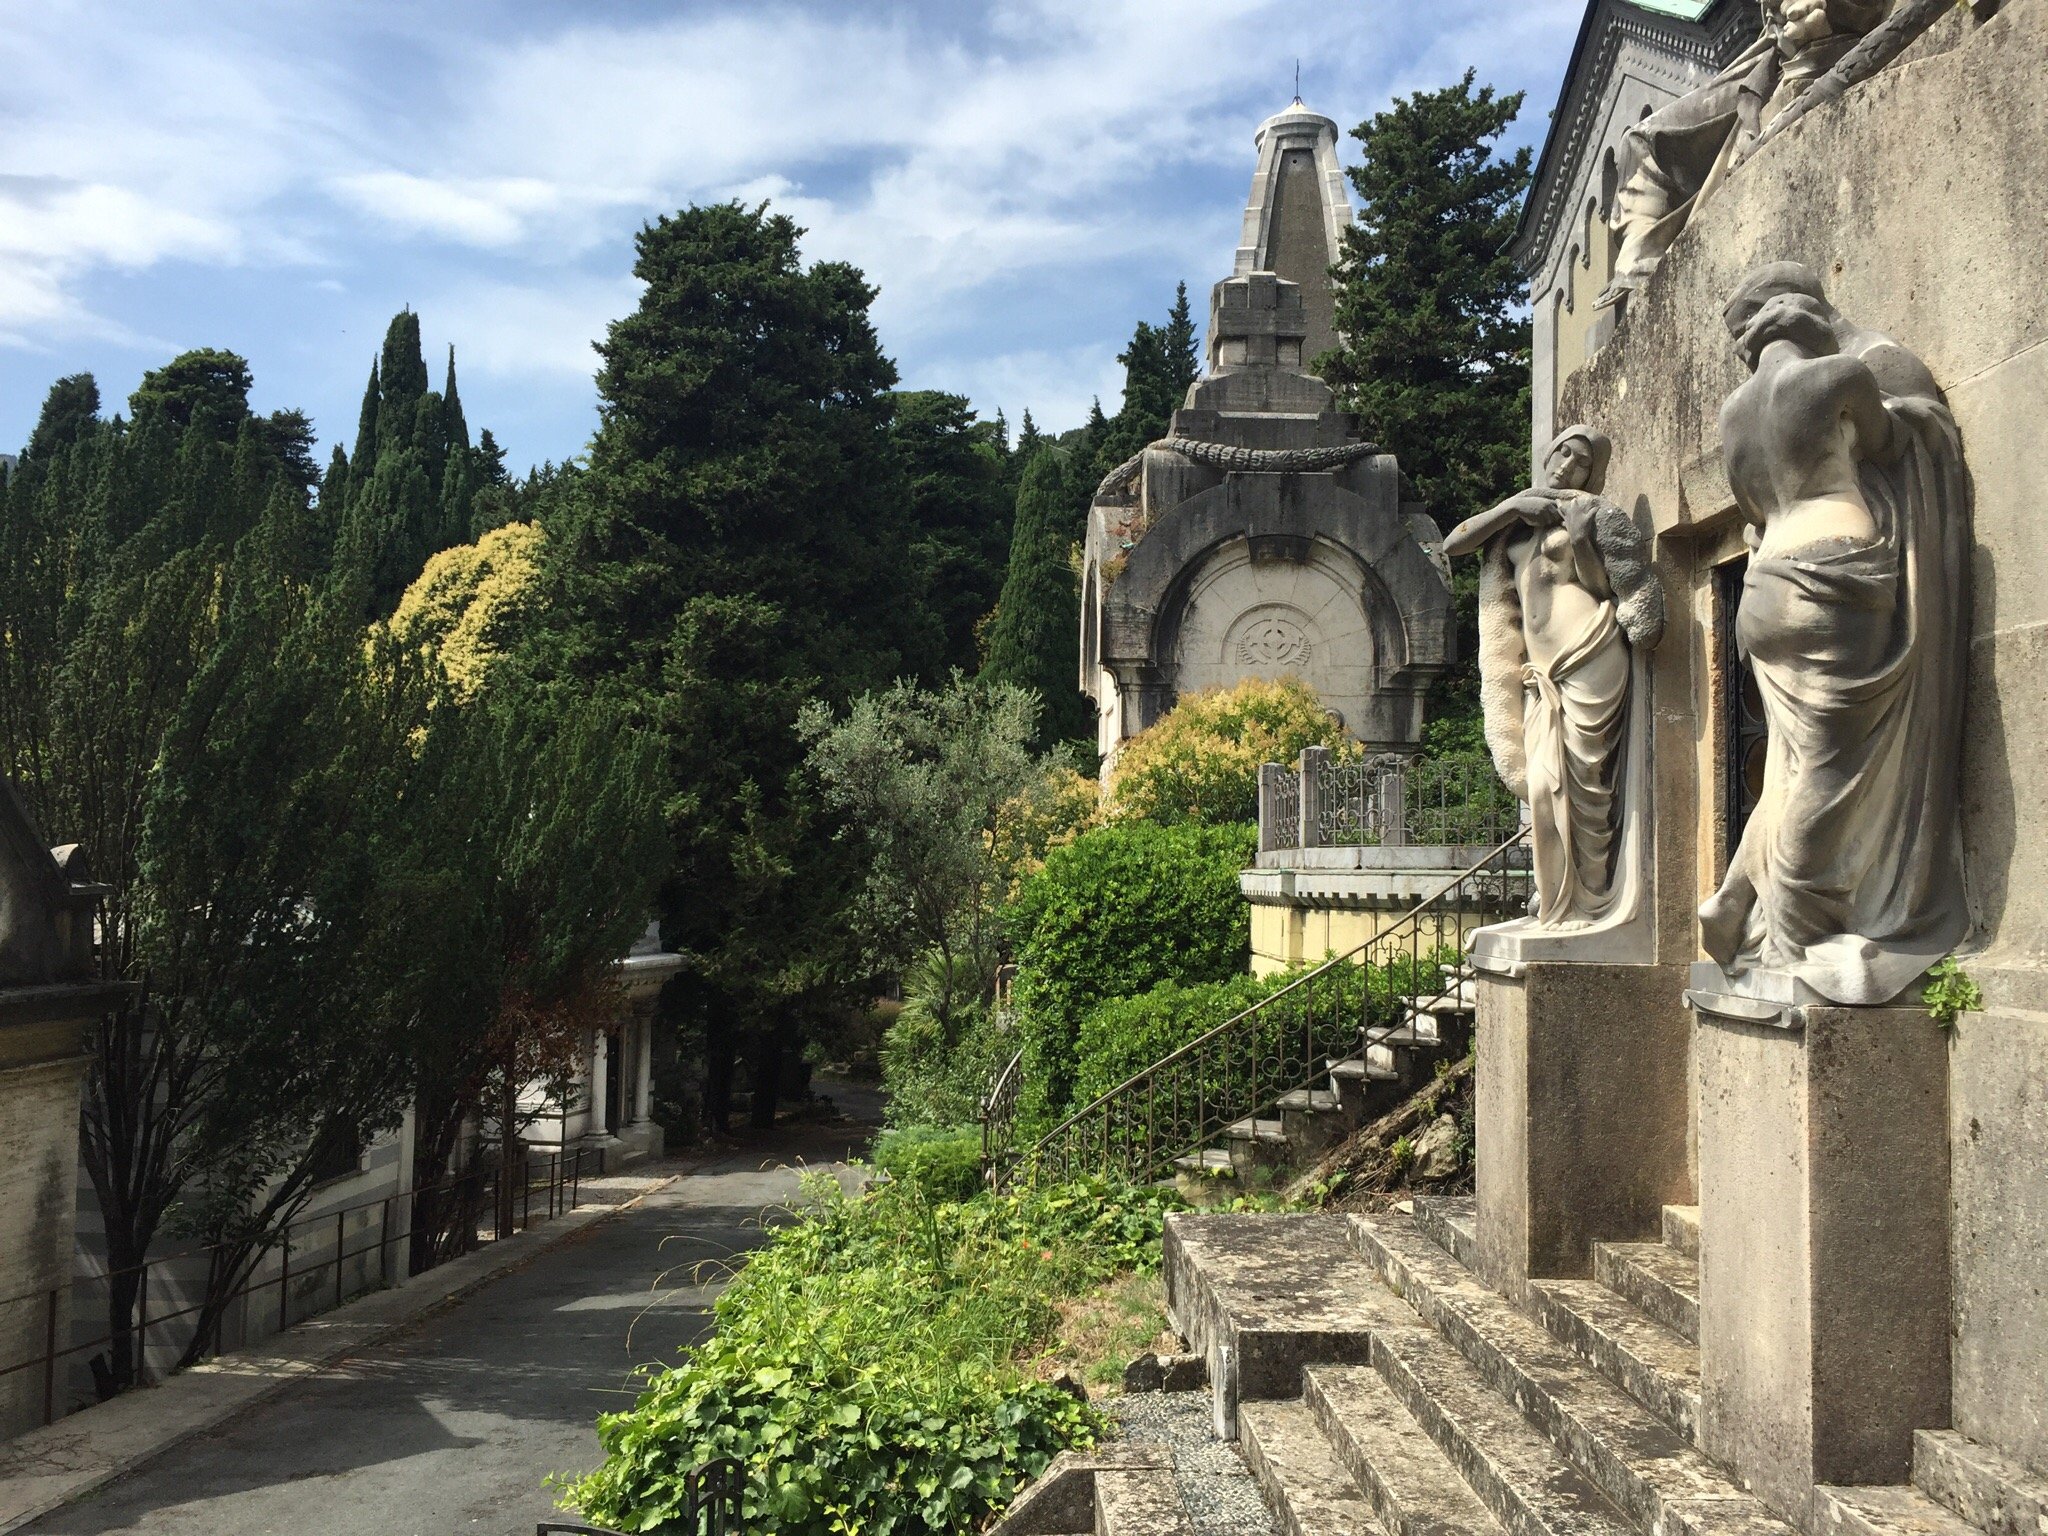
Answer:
(1034, 640)
(1434, 349)
(411, 483)
(740, 542)
(1434, 343)
(962, 502)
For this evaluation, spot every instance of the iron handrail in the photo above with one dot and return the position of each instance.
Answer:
(1408, 925)
(999, 1114)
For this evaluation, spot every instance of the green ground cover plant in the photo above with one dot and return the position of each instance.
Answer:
(873, 1366)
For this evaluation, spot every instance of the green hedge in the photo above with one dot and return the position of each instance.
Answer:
(1123, 1036)
(869, 1368)
(943, 1161)
(1112, 915)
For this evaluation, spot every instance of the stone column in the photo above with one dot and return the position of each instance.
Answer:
(1582, 1086)
(1824, 1264)
(1311, 770)
(643, 1072)
(600, 1086)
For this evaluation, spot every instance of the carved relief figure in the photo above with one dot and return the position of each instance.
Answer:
(1677, 156)
(1854, 614)
(1566, 599)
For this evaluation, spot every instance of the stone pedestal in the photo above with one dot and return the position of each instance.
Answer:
(1824, 1271)
(1582, 1083)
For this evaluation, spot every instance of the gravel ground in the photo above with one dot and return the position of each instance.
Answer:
(1218, 1491)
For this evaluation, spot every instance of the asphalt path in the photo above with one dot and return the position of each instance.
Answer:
(451, 1427)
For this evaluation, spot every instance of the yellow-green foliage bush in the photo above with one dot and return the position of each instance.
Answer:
(1057, 807)
(1201, 763)
(467, 604)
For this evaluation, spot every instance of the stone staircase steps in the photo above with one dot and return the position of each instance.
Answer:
(1636, 1459)
(1657, 1278)
(1682, 1230)
(1503, 1459)
(1452, 1223)
(1645, 1359)
(1413, 1487)
(1304, 1482)
(1992, 1492)
(1896, 1510)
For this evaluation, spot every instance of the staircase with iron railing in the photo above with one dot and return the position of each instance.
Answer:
(1309, 1053)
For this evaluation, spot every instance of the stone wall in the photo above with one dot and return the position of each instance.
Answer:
(1920, 199)
(39, 1164)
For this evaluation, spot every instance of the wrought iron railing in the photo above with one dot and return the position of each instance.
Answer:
(999, 1118)
(1287, 1041)
(712, 1496)
(1326, 801)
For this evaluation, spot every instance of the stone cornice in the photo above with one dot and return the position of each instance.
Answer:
(1609, 27)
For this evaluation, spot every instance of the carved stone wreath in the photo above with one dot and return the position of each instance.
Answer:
(1273, 642)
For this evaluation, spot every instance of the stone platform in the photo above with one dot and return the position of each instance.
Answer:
(1375, 1384)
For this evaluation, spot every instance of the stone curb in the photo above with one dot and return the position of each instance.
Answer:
(51, 1467)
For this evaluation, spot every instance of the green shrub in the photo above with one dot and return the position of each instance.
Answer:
(1201, 762)
(1112, 914)
(943, 1161)
(933, 1080)
(1123, 1036)
(869, 1366)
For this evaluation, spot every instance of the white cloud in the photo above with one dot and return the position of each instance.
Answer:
(541, 330)
(497, 211)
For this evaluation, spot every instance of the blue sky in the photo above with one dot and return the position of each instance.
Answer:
(1023, 179)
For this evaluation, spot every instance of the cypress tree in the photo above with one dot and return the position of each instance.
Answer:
(1034, 640)
(961, 501)
(1434, 349)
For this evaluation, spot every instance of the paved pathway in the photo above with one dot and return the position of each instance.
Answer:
(448, 1428)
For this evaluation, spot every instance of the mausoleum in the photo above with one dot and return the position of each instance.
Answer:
(1264, 536)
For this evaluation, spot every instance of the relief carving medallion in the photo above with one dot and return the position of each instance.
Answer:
(1272, 640)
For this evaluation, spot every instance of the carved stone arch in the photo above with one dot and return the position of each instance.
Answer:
(1291, 533)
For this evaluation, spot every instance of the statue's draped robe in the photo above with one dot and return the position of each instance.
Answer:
(1574, 724)
(1849, 874)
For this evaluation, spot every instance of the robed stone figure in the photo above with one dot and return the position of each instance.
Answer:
(1676, 158)
(1568, 605)
(1854, 617)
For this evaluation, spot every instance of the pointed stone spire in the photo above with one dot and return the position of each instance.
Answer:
(1294, 221)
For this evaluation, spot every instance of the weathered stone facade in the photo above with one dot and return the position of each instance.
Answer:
(1264, 537)
(1632, 57)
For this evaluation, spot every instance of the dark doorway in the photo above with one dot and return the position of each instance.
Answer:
(1745, 735)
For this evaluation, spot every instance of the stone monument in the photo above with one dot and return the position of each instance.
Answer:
(1823, 1092)
(1263, 536)
(1569, 610)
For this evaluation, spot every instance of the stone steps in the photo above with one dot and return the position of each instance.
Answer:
(1305, 1484)
(1510, 1467)
(1452, 1223)
(1993, 1493)
(1638, 1461)
(1657, 1278)
(1413, 1487)
(1648, 1361)
(1896, 1510)
(1682, 1230)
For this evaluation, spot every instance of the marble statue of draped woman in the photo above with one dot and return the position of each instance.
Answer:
(1853, 618)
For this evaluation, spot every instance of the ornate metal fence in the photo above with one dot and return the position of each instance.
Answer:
(1249, 1061)
(1387, 801)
